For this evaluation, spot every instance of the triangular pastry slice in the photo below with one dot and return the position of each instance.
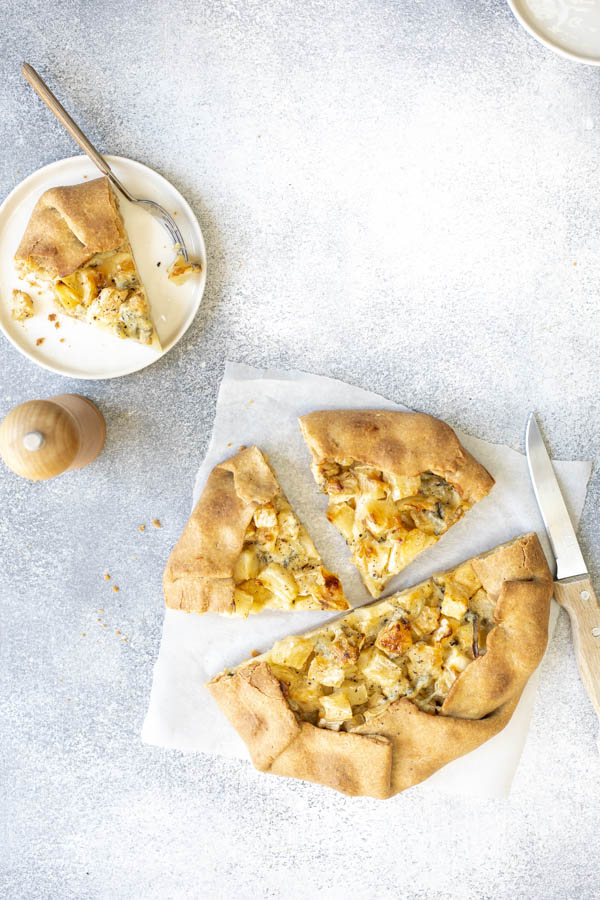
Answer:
(396, 482)
(376, 700)
(76, 243)
(244, 549)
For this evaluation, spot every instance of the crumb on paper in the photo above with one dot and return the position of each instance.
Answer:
(158, 263)
(52, 317)
(241, 447)
(39, 342)
(106, 578)
(115, 588)
(117, 632)
(142, 528)
(229, 444)
(57, 324)
(255, 653)
(22, 306)
(62, 340)
(156, 523)
(100, 610)
(83, 634)
(104, 626)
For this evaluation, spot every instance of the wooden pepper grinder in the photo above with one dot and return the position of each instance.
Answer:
(43, 438)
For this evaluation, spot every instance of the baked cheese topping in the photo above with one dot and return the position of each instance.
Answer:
(386, 520)
(413, 644)
(279, 566)
(22, 306)
(105, 292)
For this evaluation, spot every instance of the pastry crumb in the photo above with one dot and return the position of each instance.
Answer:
(229, 444)
(142, 528)
(156, 523)
(52, 317)
(255, 653)
(22, 306)
(241, 447)
(39, 342)
(115, 589)
(83, 635)
(57, 324)
(117, 632)
(180, 269)
(106, 578)
(62, 340)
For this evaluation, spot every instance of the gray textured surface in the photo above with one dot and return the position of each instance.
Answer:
(394, 193)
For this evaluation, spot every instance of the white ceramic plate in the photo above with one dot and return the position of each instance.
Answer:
(570, 28)
(76, 349)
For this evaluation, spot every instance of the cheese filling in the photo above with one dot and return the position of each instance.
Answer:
(106, 291)
(279, 566)
(386, 520)
(413, 644)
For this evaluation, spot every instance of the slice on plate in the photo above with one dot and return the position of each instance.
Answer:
(244, 549)
(379, 699)
(76, 244)
(395, 481)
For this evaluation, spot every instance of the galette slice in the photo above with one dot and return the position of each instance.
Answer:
(396, 483)
(244, 549)
(76, 244)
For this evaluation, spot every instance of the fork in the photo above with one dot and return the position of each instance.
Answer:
(77, 134)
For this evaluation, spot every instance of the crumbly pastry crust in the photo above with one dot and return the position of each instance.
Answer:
(405, 444)
(401, 745)
(76, 241)
(199, 575)
(396, 482)
(69, 225)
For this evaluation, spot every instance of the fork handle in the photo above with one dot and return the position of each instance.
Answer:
(43, 91)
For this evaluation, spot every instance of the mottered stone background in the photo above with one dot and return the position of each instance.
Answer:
(405, 195)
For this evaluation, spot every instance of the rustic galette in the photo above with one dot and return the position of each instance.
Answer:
(76, 244)
(395, 482)
(379, 699)
(244, 549)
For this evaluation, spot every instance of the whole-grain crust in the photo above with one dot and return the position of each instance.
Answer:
(404, 745)
(69, 225)
(199, 571)
(404, 444)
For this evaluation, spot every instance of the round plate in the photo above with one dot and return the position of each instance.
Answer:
(570, 28)
(74, 348)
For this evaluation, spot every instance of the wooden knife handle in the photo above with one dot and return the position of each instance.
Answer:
(579, 599)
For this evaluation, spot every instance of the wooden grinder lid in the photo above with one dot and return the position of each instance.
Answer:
(39, 439)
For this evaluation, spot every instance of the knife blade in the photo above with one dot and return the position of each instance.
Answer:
(573, 587)
(561, 534)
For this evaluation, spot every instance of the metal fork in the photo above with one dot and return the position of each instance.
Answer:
(77, 134)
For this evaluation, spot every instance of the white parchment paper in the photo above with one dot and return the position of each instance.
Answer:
(261, 407)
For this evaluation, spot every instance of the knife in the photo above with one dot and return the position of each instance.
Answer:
(573, 587)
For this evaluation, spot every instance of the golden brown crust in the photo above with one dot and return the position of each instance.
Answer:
(254, 703)
(405, 444)
(478, 706)
(422, 743)
(69, 225)
(199, 571)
